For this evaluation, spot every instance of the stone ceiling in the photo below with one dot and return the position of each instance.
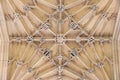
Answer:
(59, 39)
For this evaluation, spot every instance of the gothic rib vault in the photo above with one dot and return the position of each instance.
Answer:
(59, 40)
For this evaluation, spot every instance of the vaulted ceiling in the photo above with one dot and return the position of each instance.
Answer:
(59, 39)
